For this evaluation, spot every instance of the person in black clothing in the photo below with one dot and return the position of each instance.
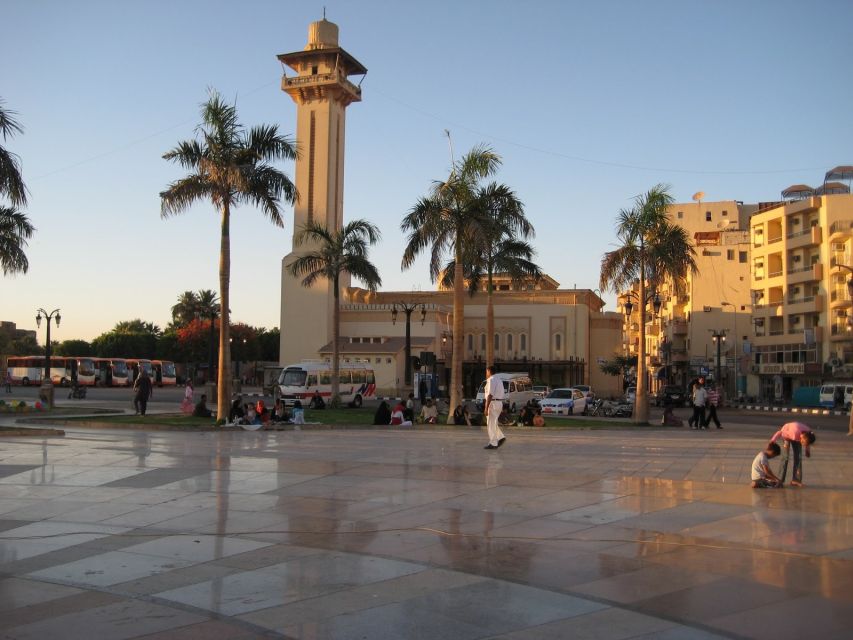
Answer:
(460, 416)
(201, 410)
(528, 412)
(236, 412)
(317, 401)
(143, 389)
(383, 414)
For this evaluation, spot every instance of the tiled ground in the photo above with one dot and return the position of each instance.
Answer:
(346, 534)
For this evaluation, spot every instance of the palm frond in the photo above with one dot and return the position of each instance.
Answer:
(188, 154)
(266, 144)
(182, 193)
(11, 182)
(15, 230)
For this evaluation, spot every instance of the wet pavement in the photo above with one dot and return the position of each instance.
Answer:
(345, 534)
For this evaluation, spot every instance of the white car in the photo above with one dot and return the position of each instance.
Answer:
(587, 391)
(563, 402)
(541, 390)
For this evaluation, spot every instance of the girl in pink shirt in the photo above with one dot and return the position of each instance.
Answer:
(796, 436)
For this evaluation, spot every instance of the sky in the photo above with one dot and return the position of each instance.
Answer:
(588, 103)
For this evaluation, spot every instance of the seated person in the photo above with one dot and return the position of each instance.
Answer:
(429, 413)
(262, 413)
(762, 476)
(461, 416)
(398, 416)
(236, 411)
(279, 412)
(298, 413)
(527, 414)
(317, 401)
(201, 410)
(383, 414)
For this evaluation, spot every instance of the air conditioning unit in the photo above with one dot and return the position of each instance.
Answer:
(754, 368)
(798, 258)
(795, 320)
(835, 362)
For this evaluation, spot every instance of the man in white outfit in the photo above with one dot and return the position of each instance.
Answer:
(494, 406)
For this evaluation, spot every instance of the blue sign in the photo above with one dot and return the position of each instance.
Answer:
(703, 371)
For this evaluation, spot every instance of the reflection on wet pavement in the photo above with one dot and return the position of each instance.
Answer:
(347, 534)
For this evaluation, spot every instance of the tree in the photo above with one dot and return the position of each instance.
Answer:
(268, 344)
(184, 311)
(446, 222)
(499, 249)
(651, 251)
(619, 365)
(338, 252)
(128, 339)
(73, 348)
(229, 166)
(15, 227)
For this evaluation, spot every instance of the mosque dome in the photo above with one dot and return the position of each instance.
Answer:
(322, 35)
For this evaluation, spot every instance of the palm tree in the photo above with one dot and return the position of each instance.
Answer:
(229, 166)
(184, 311)
(652, 250)
(448, 221)
(11, 182)
(15, 227)
(500, 248)
(15, 230)
(338, 252)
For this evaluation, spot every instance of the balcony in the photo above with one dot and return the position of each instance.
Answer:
(840, 331)
(805, 274)
(802, 206)
(679, 327)
(679, 356)
(839, 298)
(804, 304)
(840, 229)
(805, 238)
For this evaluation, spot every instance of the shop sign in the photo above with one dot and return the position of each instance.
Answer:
(785, 369)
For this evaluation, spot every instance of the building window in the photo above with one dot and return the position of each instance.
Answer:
(483, 342)
(470, 342)
(742, 256)
(730, 254)
(387, 360)
(680, 215)
(509, 342)
(523, 340)
(497, 342)
(725, 213)
(558, 342)
(378, 360)
(707, 216)
(314, 70)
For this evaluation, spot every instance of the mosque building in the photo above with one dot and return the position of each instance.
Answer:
(558, 336)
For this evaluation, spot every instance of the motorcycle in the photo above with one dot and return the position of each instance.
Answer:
(77, 393)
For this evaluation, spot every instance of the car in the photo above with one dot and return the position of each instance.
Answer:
(541, 390)
(671, 394)
(631, 395)
(563, 402)
(587, 391)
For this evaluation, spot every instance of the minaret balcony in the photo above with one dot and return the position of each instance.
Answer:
(316, 85)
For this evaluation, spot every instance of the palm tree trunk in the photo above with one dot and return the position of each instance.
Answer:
(641, 402)
(458, 324)
(224, 379)
(490, 323)
(336, 356)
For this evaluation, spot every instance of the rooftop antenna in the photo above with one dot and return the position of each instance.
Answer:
(450, 142)
(324, 12)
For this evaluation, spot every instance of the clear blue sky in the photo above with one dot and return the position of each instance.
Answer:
(588, 103)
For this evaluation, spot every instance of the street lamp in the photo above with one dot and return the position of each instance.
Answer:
(47, 383)
(849, 293)
(233, 357)
(408, 308)
(719, 337)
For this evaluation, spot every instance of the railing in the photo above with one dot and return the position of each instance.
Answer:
(795, 330)
(776, 332)
(839, 294)
(322, 78)
(775, 239)
(792, 300)
(774, 274)
(840, 329)
(797, 234)
(800, 269)
(844, 226)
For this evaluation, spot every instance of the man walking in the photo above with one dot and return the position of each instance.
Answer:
(143, 389)
(494, 407)
(713, 400)
(700, 396)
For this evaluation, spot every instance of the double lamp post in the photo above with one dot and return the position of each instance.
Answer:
(47, 382)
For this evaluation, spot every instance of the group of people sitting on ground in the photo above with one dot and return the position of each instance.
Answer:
(403, 413)
(260, 414)
(531, 415)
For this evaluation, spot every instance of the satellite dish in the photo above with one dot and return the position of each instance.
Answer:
(697, 197)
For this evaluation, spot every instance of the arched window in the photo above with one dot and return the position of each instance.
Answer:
(497, 342)
(509, 342)
(558, 341)
(523, 341)
(483, 342)
(470, 342)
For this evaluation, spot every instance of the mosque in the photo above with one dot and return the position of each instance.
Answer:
(559, 336)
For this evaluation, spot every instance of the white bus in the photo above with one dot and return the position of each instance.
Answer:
(301, 381)
(27, 370)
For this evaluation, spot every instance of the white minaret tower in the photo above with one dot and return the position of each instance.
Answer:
(322, 93)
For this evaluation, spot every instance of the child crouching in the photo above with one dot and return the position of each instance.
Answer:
(762, 476)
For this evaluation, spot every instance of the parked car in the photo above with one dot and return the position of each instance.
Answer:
(631, 395)
(671, 394)
(518, 390)
(541, 390)
(587, 391)
(563, 402)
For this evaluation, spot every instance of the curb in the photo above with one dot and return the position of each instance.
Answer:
(803, 410)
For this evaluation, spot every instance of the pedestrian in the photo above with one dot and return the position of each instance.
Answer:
(494, 391)
(8, 381)
(713, 400)
(700, 396)
(799, 437)
(200, 410)
(187, 404)
(762, 476)
(143, 389)
(409, 409)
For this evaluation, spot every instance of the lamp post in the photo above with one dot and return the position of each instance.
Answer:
(719, 337)
(47, 383)
(641, 400)
(850, 294)
(408, 308)
(233, 356)
(737, 339)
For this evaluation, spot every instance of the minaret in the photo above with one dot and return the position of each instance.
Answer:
(322, 93)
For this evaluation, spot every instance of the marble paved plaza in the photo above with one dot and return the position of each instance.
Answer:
(110, 535)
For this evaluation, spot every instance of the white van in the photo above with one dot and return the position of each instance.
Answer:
(518, 390)
(827, 394)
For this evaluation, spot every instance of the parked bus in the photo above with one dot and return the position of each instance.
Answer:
(134, 366)
(301, 381)
(164, 373)
(27, 370)
(110, 372)
(83, 367)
